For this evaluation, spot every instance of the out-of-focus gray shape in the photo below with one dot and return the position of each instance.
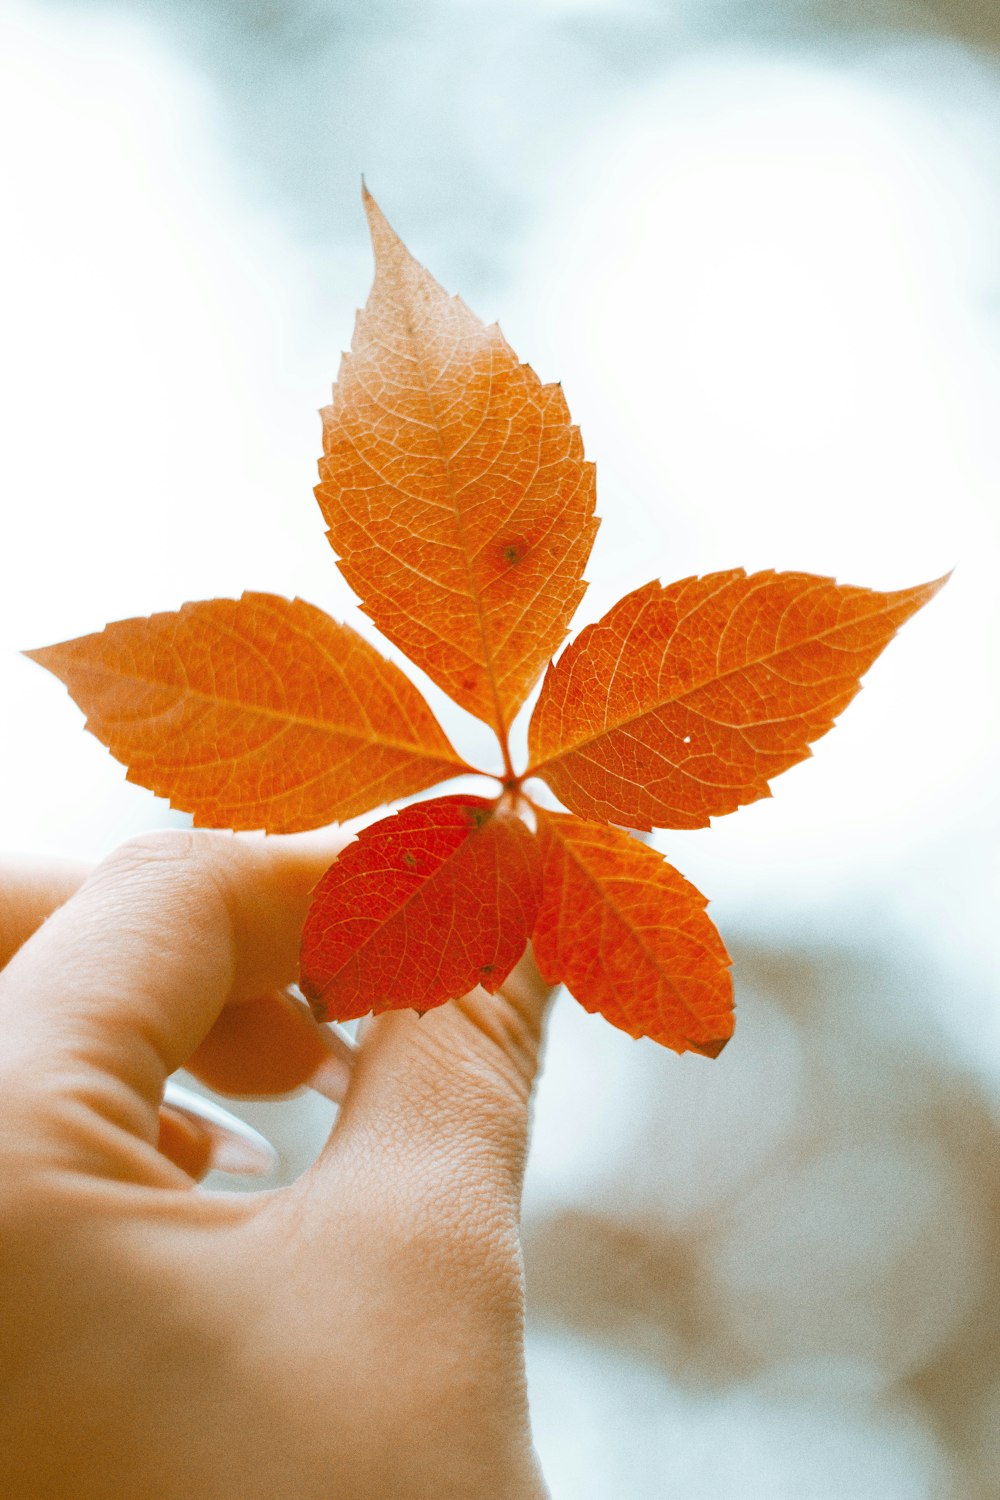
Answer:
(464, 116)
(457, 114)
(973, 21)
(854, 1260)
(790, 22)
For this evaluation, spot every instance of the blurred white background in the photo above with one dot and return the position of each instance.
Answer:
(759, 246)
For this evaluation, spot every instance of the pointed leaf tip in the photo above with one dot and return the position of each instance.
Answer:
(709, 1049)
(386, 242)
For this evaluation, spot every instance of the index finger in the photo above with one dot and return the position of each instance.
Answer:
(126, 978)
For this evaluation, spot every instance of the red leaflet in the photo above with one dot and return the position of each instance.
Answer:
(629, 937)
(684, 702)
(461, 507)
(455, 489)
(426, 905)
(255, 713)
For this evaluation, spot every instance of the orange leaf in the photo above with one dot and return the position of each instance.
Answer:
(254, 713)
(683, 702)
(629, 937)
(455, 489)
(427, 904)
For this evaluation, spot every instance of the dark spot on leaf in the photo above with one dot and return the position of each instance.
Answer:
(486, 968)
(477, 816)
(511, 550)
(409, 860)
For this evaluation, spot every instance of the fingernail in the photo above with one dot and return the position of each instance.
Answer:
(249, 1155)
(332, 1078)
(340, 1042)
(236, 1146)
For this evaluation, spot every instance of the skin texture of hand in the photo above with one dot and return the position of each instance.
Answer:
(354, 1336)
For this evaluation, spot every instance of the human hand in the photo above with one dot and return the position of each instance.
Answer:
(357, 1334)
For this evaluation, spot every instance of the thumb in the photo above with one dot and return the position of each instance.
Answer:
(447, 1094)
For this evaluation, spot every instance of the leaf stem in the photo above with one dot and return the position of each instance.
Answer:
(510, 776)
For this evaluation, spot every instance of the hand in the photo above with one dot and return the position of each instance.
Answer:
(357, 1334)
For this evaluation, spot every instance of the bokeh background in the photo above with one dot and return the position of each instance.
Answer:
(758, 242)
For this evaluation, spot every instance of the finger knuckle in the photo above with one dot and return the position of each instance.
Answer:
(164, 847)
(192, 863)
(183, 875)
